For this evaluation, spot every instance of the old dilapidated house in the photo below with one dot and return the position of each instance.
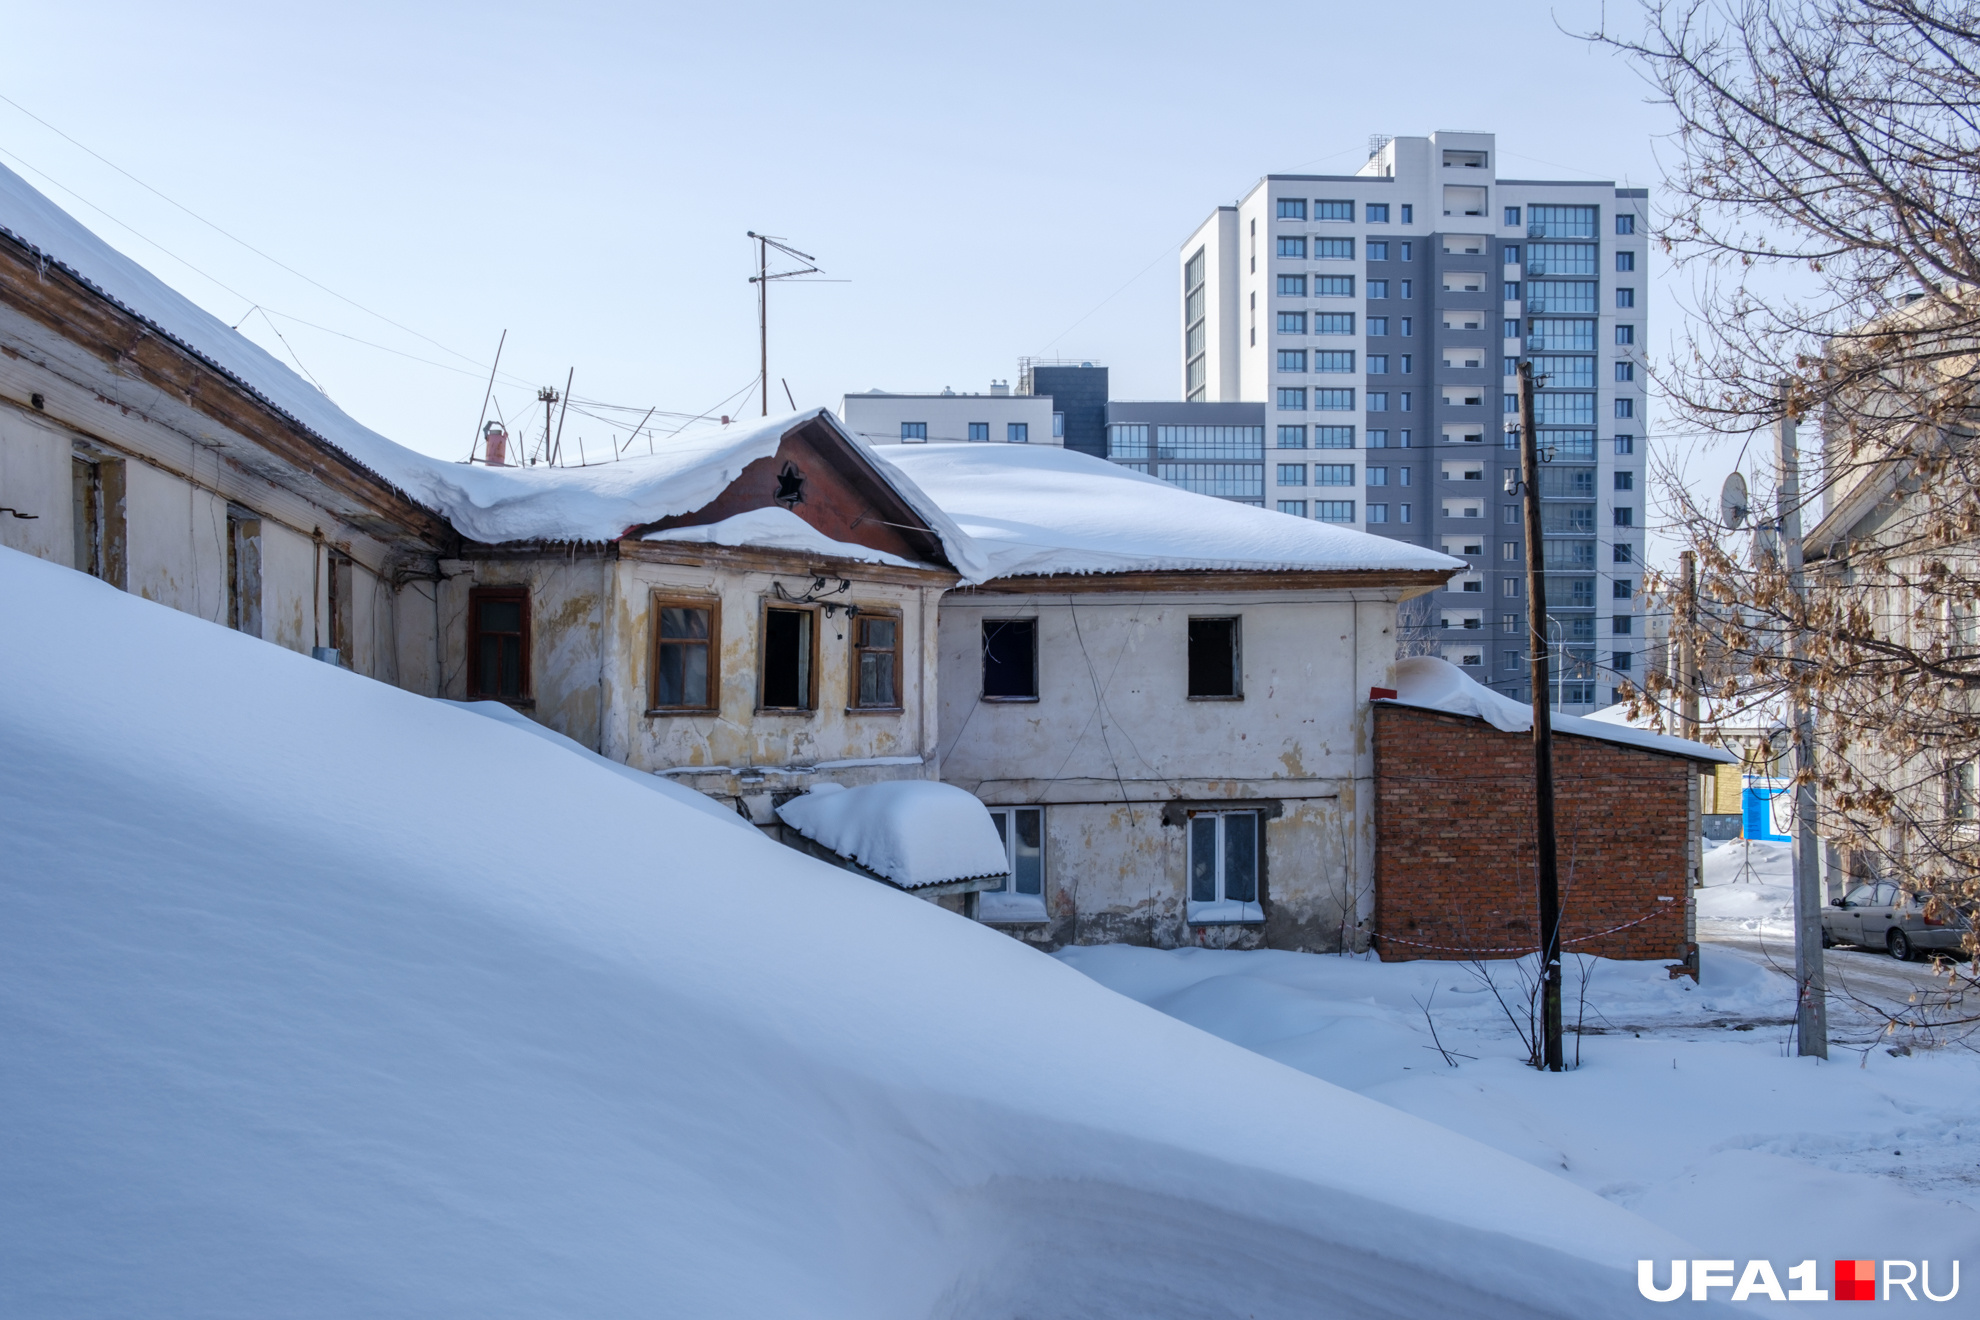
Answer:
(1163, 698)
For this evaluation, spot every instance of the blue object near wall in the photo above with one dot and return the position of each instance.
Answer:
(1767, 805)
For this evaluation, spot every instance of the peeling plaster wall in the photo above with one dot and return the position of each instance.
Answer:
(1113, 737)
(593, 683)
(176, 496)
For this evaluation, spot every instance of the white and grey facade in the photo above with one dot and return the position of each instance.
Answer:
(1378, 319)
(998, 417)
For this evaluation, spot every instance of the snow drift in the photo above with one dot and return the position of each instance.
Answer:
(913, 831)
(322, 999)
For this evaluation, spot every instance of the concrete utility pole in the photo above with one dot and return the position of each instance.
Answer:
(1811, 1015)
(1553, 1057)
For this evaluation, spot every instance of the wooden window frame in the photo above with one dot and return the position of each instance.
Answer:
(713, 604)
(477, 596)
(763, 656)
(858, 621)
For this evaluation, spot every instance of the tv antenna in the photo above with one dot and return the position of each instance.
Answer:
(764, 243)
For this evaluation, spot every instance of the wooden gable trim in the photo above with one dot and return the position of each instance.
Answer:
(761, 559)
(845, 497)
(50, 295)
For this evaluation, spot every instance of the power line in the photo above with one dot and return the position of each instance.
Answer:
(225, 234)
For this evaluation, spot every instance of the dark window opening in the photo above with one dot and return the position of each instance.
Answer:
(684, 668)
(787, 639)
(1214, 668)
(1010, 658)
(498, 644)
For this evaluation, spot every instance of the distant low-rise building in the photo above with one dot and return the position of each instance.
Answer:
(880, 417)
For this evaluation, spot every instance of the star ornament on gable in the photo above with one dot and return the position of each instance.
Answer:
(790, 486)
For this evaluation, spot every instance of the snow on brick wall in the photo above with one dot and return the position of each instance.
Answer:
(1454, 841)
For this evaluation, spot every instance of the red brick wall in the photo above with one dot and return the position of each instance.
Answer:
(1454, 841)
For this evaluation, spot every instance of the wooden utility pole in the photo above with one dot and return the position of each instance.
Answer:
(1687, 647)
(1811, 1014)
(1552, 1055)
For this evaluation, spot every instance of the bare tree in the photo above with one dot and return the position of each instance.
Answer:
(1826, 205)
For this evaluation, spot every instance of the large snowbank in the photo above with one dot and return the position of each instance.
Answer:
(486, 504)
(1429, 683)
(915, 832)
(1043, 509)
(1688, 1107)
(322, 999)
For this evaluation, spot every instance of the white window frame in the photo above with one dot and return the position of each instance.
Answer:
(1005, 906)
(1222, 910)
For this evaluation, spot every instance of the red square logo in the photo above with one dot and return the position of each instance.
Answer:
(1856, 1280)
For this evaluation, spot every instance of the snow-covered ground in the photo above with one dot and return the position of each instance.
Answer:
(322, 999)
(1688, 1108)
(1749, 886)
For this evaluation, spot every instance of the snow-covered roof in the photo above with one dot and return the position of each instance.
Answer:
(915, 832)
(1042, 509)
(777, 529)
(1428, 683)
(1744, 714)
(493, 505)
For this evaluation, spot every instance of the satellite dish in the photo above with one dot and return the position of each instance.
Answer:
(1732, 501)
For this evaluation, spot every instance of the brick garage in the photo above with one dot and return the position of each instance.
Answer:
(1454, 856)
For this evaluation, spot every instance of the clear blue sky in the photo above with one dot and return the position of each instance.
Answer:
(992, 181)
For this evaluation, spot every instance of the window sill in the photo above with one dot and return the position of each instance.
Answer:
(1225, 914)
(519, 703)
(783, 710)
(876, 710)
(1011, 912)
(1000, 700)
(1236, 696)
(657, 711)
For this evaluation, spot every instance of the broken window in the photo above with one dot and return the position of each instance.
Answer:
(244, 571)
(789, 642)
(1214, 664)
(685, 654)
(337, 603)
(97, 517)
(1010, 659)
(1022, 895)
(877, 662)
(1223, 866)
(498, 643)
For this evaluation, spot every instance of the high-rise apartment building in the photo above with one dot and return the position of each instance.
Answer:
(1379, 317)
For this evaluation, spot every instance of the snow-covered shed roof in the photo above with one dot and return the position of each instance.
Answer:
(1037, 509)
(1429, 683)
(484, 504)
(914, 832)
(777, 529)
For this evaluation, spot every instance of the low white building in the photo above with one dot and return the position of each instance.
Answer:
(999, 417)
(1163, 698)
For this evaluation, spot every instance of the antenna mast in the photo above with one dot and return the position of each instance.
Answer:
(762, 280)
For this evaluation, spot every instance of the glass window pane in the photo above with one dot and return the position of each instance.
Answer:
(683, 675)
(1028, 862)
(1203, 859)
(880, 633)
(681, 621)
(1241, 858)
(511, 662)
(876, 679)
(501, 616)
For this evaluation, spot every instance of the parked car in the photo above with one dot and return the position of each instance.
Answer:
(1884, 914)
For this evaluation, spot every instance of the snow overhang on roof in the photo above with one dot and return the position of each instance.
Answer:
(915, 833)
(1045, 510)
(489, 505)
(1428, 683)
